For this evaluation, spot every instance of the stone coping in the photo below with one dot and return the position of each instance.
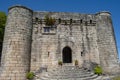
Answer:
(107, 12)
(20, 6)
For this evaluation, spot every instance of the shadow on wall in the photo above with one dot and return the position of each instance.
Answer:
(89, 65)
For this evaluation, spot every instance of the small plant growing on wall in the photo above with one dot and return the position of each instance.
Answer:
(49, 21)
(98, 70)
(76, 62)
(30, 75)
(60, 63)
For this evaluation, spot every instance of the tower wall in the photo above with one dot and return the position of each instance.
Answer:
(106, 43)
(17, 44)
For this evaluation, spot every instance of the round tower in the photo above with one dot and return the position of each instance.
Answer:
(17, 44)
(107, 43)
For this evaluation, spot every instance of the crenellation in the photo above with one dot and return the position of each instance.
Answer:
(90, 22)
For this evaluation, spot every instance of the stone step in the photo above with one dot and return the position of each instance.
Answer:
(71, 78)
(84, 78)
(89, 77)
(69, 73)
(98, 78)
(73, 75)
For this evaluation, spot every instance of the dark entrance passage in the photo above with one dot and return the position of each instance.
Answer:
(67, 55)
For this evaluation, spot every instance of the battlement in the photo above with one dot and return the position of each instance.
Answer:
(63, 15)
(65, 18)
(67, 22)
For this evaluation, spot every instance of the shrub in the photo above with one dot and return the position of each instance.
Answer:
(30, 75)
(98, 70)
(60, 63)
(76, 62)
(49, 21)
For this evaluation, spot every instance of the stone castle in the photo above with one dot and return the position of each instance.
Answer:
(30, 44)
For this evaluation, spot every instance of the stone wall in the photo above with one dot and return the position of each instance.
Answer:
(89, 34)
(80, 36)
(29, 45)
(106, 43)
(17, 44)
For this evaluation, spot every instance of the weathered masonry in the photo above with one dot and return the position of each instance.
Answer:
(30, 42)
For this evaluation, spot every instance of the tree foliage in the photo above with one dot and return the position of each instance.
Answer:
(2, 25)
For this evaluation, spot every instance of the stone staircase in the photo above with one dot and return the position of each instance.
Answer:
(68, 73)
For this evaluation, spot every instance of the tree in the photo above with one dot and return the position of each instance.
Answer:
(2, 27)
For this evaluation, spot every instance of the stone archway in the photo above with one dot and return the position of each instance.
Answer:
(67, 55)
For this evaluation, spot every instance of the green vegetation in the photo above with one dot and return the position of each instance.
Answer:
(2, 27)
(49, 21)
(98, 70)
(60, 63)
(76, 62)
(30, 75)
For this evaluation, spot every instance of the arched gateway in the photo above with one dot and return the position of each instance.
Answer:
(67, 55)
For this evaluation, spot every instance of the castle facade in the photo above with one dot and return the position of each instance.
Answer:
(30, 42)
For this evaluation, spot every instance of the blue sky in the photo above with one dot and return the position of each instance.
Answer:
(80, 6)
